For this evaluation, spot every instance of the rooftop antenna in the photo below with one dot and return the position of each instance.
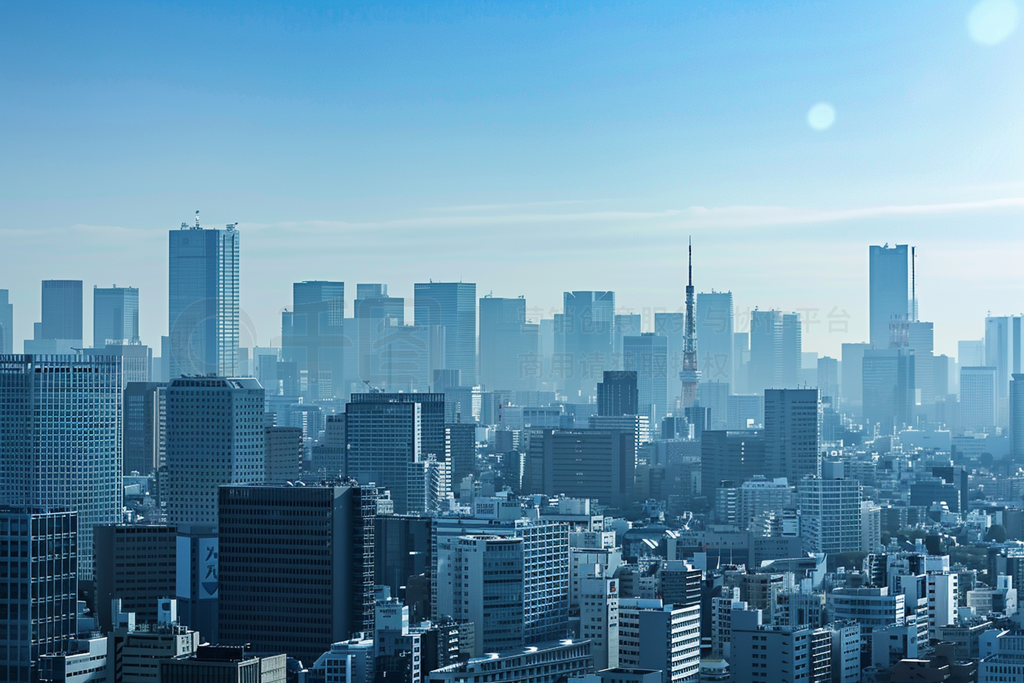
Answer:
(197, 219)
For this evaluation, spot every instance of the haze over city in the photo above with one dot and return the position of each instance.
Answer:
(531, 149)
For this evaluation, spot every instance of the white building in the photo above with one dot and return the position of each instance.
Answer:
(657, 636)
(350, 661)
(599, 619)
(830, 508)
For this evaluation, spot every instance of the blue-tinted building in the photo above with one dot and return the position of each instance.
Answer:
(203, 312)
(313, 337)
(452, 306)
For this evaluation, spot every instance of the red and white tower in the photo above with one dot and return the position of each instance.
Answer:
(689, 375)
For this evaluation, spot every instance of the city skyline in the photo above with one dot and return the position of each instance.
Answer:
(420, 152)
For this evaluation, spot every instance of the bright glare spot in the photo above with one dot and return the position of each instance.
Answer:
(821, 116)
(992, 21)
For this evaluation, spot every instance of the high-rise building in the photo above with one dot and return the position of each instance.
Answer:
(647, 356)
(789, 653)
(662, 637)
(508, 345)
(583, 341)
(378, 319)
(60, 426)
(145, 427)
(617, 394)
(40, 597)
(766, 350)
(203, 314)
(1003, 348)
(888, 386)
(452, 306)
(1016, 410)
(136, 360)
(730, 457)
(830, 508)
(792, 349)
(6, 323)
(481, 579)
(889, 291)
(296, 566)
(582, 463)
(791, 432)
(214, 437)
(136, 564)
(386, 434)
(115, 316)
(828, 378)
(62, 310)
(979, 397)
(313, 337)
(623, 325)
(283, 459)
(599, 618)
(852, 380)
(715, 337)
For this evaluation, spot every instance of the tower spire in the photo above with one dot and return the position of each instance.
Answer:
(689, 375)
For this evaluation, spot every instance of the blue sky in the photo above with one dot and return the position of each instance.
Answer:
(531, 148)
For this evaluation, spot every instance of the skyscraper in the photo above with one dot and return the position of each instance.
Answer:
(1002, 352)
(214, 437)
(765, 351)
(451, 305)
(115, 316)
(203, 313)
(889, 290)
(6, 323)
(888, 386)
(145, 427)
(313, 337)
(617, 394)
(715, 337)
(508, 345)
(978, 398)
(730, 456)
(386, 434)
(60, 426)
(791, 432)
(1017, 415)
(296, 566)
(647, 356)
(40, 600)
(62, 310)
(583, 341)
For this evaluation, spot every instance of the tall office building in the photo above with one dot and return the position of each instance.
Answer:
(1003, 352)
(40, 596)
(623, 325)
(145, 427)
(115, 316)
(792, 350)
(979, 398)
(889, 291)
(1017, 415)
(203, 314)
(313, 337)
(60, 428)
(660, 637)
(828, 378)
(6, 323)
(508, 345)
(715, 337)
(214, 437)
(62, 310)
(791, 432)
(386, 434)
(452, 306)
(481, 580)
(921, 340)
(583, 463)
(296, 566)
(671, 326)
(766, 351)
(647, 356)
(617, 394)
(583, 341)
(730, 458)
(136, 564)
(802, 653)
(830, 508)
(888, 388)
(852, 380)
(377, 318)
